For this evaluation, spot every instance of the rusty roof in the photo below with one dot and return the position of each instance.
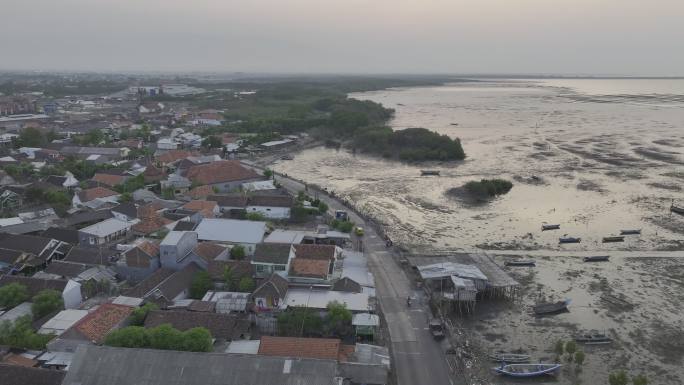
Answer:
(321, 348)
(219, 172)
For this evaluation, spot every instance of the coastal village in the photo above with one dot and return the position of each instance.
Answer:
(142, 237)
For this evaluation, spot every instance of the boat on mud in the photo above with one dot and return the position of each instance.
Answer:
(612, 239)
(597, 258)
(527, 370)
(551, 307)
(520, 262)
(677, 209)
(569, 240)
(429, 172)
(546, 227)
(594, 338)
(630, 232)
(511, 358)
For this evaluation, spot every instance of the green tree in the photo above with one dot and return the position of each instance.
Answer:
(46, 302)
(12, 295)
(201, 283)
(165, 337)
(618, 378)
(570, 348)
(300, 321)
(255, 216)
(559, 348)
(640, 379)
(579, 357)
(197, 340)
(246, 285)
(230, 278)
(20, 334)
(322, 207)
(268, 173)
(138, 316)
(168, 193)
(128, 337)
(338, 319)
(212, 142)
(31, 137)
(238, 252)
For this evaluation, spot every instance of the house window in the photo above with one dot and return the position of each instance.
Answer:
(260, 268)
(279, 268)
(91, 240)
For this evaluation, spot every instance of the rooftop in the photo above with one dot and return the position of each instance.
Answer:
(319, 299)
(220, 172)
(106, 227)
(321, 348)
(231, 231)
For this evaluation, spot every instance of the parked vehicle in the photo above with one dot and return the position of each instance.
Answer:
(341, 215)
(358, 231)
(527, 370)
(436, 329)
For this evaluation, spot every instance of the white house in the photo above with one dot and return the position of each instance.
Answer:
(271, 206)
(231, 231)
(166, 144)
(104, 232)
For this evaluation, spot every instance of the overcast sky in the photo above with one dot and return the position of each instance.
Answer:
(619, 37)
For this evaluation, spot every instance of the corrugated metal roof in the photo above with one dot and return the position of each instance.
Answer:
(447, 269)
(231, 230)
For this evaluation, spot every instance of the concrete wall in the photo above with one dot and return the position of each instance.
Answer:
(72, 295)
(170, 254)
(137, 274)
(270, 212)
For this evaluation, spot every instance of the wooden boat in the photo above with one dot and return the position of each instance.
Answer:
(597, 258)
(550, 227)
(551, 308)
(429, 172)
(611, 239)
(520, 262)
(527, 370)
(630, 232)
(677, 210)
(511, 358)
(594, 339)
(569, 240)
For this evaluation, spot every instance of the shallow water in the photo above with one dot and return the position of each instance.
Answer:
(609, 155)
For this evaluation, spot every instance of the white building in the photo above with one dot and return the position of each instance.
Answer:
(62, 321)
(231, 231)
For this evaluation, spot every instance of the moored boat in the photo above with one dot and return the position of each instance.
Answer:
(594, 339)
(429, 172)
(520, 262)
(527, 370)
(597, 258)
(511, 358)
(551, 308)
(611, 239)
(569, 240)
(630, 232)
(546, 227)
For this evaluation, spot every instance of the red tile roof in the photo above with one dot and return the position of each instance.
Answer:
(201, 192)
(209, 251)
(172, 156)
(108, 179)
(219, 172)
(321, 348)
(94, 193)
(97, 324)
(206, 208)
(315, 268)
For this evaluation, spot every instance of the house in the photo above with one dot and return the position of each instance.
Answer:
(85, 218)
(125, 212)
(90, 196)
(93, 328)
(201, 192)
(271, 293)
(318, 348)
(10, 200)
(65, 270)
(270, 258)
(71, 290)
(178, 183)
(163, 288)
(238, 270)
(169, 157)
(271, 206)
(180, 248)
(109, 179)
(208, 209)
(310, 270)
(139, 262)
(61, 234)
(229, 202)
(95, 153)
(44, 249)
(103, 365)
(62, 321)
(22, 375)
(166, 144)
(319, 299)
(221, 326)
(104, 232)
(90, 256)
(153, 174)
(225, 175)
(231, 231)
(150, 221)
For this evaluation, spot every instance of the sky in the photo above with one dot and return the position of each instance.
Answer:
(588, 37)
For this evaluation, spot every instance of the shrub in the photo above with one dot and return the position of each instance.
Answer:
(579, 357)
(238, 252)
(163, 337)
(20, 334)
(268, 173)
(618, 378)
(300, 321)
(46, 302)
(488, 187)
(322, 207)
(246, 285)
(640, 380)
(12, 295)
(338, 320)
(255, 216)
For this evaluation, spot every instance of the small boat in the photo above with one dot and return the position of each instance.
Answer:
(594, 339)
(569, 240)
(511, 358)
(454, 124)
(550, 227)
(630, 232)
(287, 157)
(527, 370)
(611, 239)
(677, 210)
(551, 308)
(520, 262)
(429, 172)
(597, 258)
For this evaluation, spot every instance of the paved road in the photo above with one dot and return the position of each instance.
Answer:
(416, 357)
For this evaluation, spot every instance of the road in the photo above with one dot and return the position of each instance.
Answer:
(416, 357)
